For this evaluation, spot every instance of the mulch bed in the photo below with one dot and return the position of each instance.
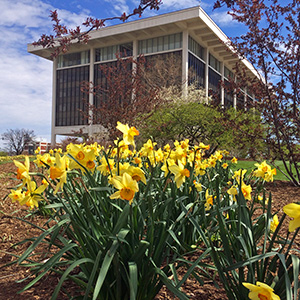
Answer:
(13, 230)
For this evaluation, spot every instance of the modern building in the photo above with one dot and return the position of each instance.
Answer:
(190, 34)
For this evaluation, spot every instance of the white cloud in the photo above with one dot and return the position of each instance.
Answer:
(25, 79)
(179, 4)
(26, 13)
(223, 19)
(118, 7)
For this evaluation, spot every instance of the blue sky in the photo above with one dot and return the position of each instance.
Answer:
(26, 80)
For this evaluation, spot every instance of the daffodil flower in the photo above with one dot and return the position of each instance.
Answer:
(180, 173)
(127, 187)
(239, 174)
(274, 223)
(234, 160)
(16, 195)
(137, 174)
(198, 186)
(224, 165)
(33, 195)
(209, 200)
(233, 191)
(59, 171)
(260, 291)
(264, 171)
(23, 170)
(246, 190)
(293, 211)
(128, 133)
(106, 166)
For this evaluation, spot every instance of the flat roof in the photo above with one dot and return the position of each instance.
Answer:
(194, 19)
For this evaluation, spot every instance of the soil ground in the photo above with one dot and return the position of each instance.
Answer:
(13, 230)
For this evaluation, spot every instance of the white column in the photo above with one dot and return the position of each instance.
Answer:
(222, 87)
(234, 95)
(206, 58)
(185, 62)
(53, 117)
(135, 45)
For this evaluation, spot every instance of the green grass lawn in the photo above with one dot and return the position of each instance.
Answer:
(249, 165)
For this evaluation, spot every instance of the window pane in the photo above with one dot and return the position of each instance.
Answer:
(69, 97)
(73, 59)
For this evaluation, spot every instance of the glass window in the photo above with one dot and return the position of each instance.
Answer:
(228, 74)
(110, 52)
(73, 59)
(196, 71)
(70, 99)
(195, 48)
(155, 45)
(178, 41)
(214, 63)
(149, 46)
(166, 43)
(172, 41)
(162, 43)
(214, 81)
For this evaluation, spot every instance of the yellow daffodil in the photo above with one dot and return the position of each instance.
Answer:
(239, 174)
(212, 161)
(260, 198)
(128, 133)
(269, 175)
(261, 169)
(159, 155)
(293, 211)
(137, 174)
(33, 195)
(218, 155)
(147, 149)
(89, 161)
(200, 167)
(180, 173)
(198, 186)
(43, 160)
(16, 195)
(138, 161)
(260, 291)
(246, 190)
(264, 171)
(23, 170)
(59, 171)
(209, 200)
(233, 191)
(78, 152)
(202, 146)
(127, 187)
(106, 165)
(37, 150)
(274, 223)
(165, 166)
(224, 165)
(234, 160)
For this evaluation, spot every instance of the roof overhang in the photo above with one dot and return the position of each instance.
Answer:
(195, 20)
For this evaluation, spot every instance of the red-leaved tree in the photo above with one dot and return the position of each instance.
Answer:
(272, 45)
(129, 90)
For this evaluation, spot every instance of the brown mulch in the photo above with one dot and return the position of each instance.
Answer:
(13, 230)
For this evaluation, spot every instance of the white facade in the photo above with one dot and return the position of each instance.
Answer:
(189, 32)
